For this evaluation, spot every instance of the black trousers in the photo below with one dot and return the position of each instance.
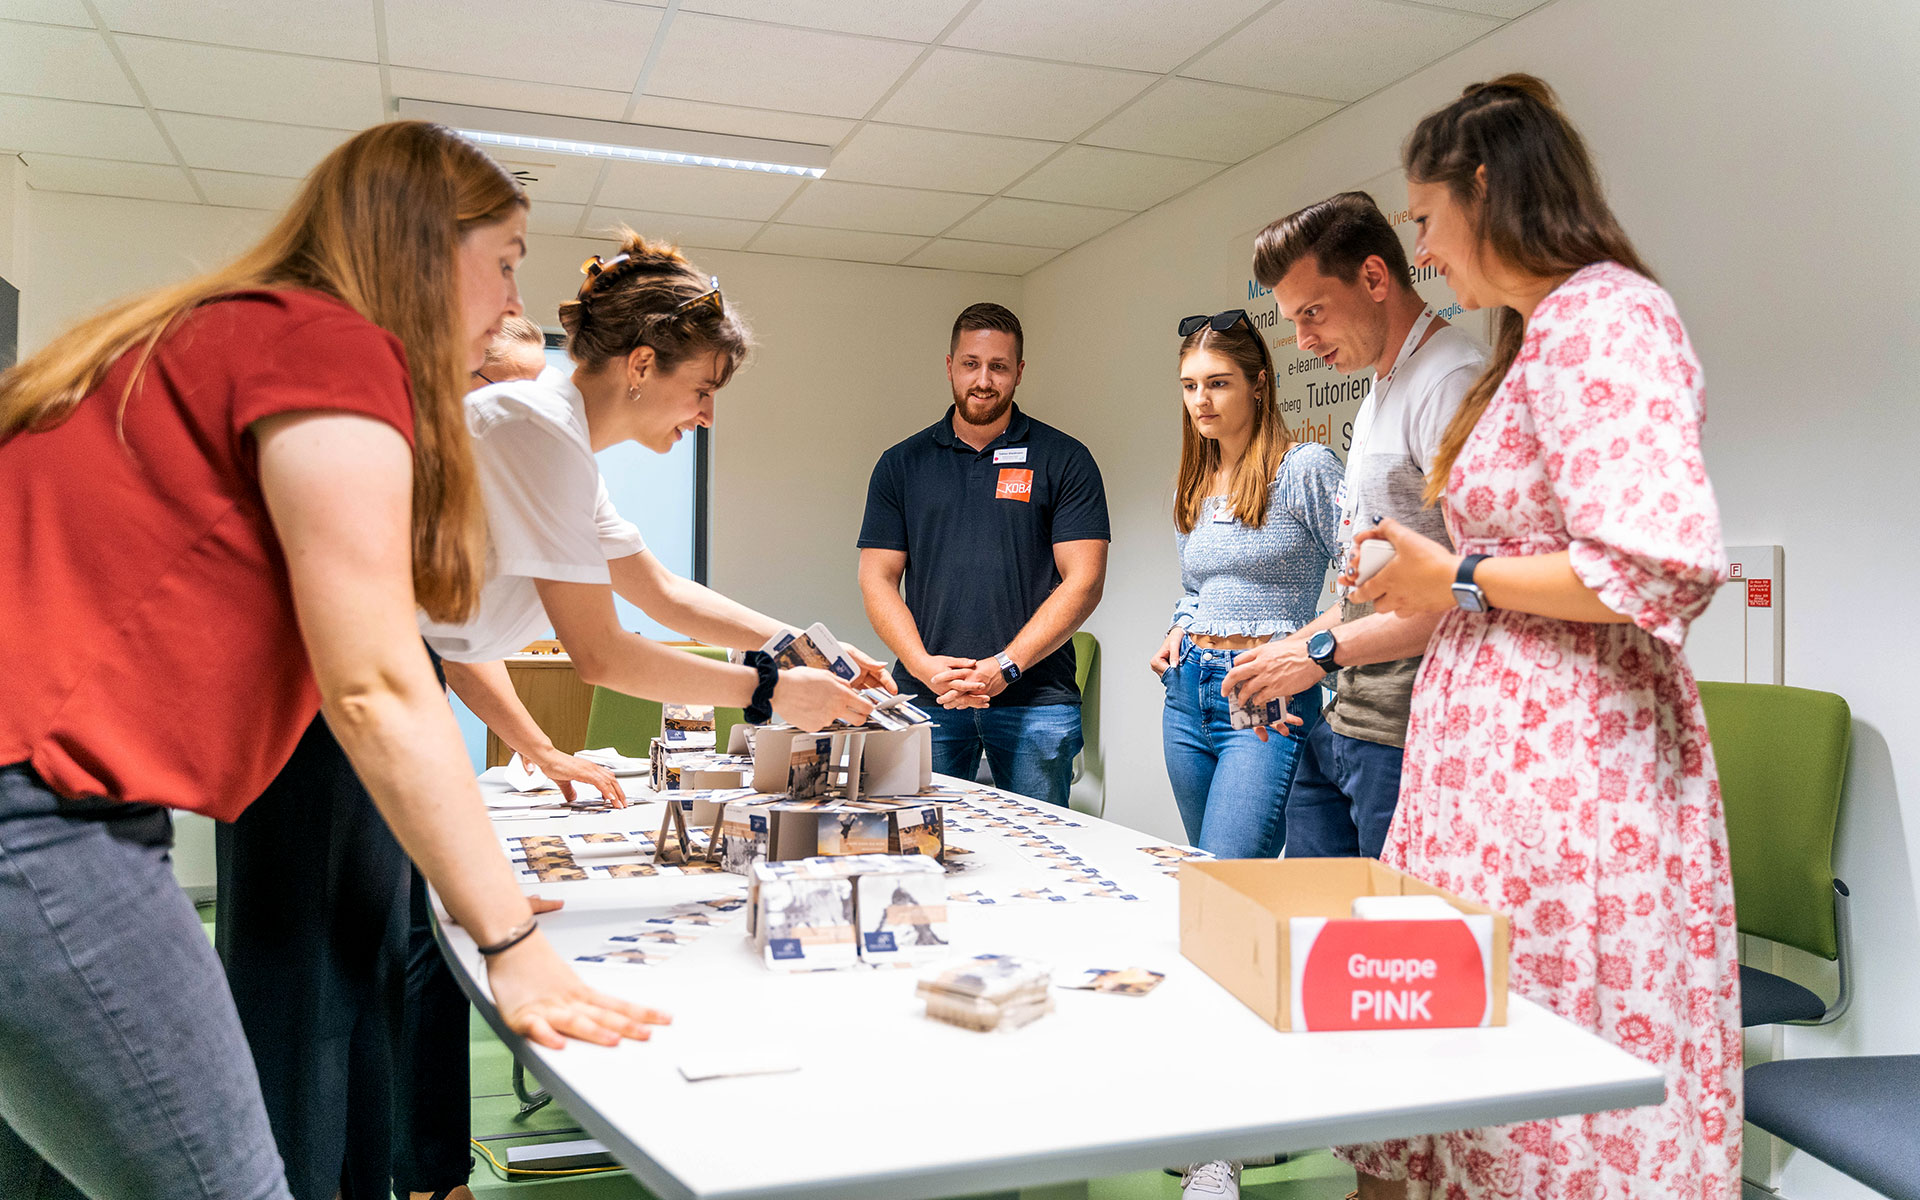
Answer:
(358, 1030)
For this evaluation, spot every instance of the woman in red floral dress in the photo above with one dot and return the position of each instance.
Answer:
(1557, 763)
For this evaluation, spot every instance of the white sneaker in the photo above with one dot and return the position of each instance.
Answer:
(1217, 1180)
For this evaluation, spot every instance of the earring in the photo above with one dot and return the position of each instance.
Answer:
(633, 392)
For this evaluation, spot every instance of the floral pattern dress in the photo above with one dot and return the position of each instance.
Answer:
(1560, 770)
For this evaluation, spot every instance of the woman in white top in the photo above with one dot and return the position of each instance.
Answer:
(652, 341)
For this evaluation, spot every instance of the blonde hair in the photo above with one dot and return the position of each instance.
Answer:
(376, 226)
(637, 301)
(516, 333)
(1241, 344)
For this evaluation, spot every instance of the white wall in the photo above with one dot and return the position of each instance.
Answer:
(1760, 153)
(849, 362)
(13, 192)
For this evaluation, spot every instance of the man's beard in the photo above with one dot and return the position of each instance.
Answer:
(969, 413)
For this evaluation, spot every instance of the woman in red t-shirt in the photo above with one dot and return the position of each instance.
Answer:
(227, 498)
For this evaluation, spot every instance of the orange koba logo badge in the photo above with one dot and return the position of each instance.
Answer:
(1015, 484)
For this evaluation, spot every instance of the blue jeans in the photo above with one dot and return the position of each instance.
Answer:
(123, 1071)
(1230, 786)
(1029, 750)
(1343, 796)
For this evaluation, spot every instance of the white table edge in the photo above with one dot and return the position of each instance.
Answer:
(1067, 1166)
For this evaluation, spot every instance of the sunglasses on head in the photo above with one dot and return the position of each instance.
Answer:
(1220, 321)
(595, 267)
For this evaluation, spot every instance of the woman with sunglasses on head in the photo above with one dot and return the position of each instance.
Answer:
(1557, 763)
(230, 496)
(1257, 516)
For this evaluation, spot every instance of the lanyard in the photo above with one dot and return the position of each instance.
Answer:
(1363, 423)
(1363, 426)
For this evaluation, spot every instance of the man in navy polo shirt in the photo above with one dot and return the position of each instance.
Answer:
(997, 524)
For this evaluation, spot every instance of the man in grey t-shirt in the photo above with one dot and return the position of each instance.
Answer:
(1338, 271)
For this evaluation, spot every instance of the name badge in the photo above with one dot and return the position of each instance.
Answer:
(1224, 515)
(1010, 454)
(1015, 484)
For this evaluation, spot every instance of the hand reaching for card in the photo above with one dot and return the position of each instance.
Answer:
(565, 770)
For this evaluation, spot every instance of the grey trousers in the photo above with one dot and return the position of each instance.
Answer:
(123, 1071)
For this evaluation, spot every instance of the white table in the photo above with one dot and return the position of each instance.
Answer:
(890, 1104)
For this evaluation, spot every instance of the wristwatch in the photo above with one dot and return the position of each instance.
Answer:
(1467, 593)
(1008, 671)
(1321, 648)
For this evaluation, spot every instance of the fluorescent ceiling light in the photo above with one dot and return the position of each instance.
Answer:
(621, 140)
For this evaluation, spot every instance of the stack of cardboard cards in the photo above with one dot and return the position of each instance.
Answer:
(988, 992)
(1245, 714)
(818, 648)
(815, 648)
(824, 913)
(754, 828)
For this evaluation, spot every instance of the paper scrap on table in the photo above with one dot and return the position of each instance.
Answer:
(617, 762)
(1128, 981)
(734, 1065)
(525, 779)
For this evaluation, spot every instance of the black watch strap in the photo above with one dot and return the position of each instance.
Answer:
(1467, 567)
(760, 710)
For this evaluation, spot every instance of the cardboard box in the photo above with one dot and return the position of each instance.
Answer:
(825, 913)
(1279, 934)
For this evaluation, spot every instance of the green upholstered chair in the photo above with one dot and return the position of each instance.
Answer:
(1782, 758)
(629, 724)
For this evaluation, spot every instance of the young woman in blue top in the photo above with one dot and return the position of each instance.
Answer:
(1258, 521)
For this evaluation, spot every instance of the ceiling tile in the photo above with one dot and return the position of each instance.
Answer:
(1497, 8)
(100, 177)
(950, 255)
(1112, 178)
(67, 64)
(252, 147)
(1036, 223)
(707, 191)
(771, 66)
(713, 233)
(954, 162)
(745, 122)
(231, 189)
(87, 130)
(1145, 35)
(1208, 120)
(1013, 97)
(51, 12)
(1305, 46)
(226, 82)
(858, 246)
(913, 20)
(484, 91)
(580, 43)
(877, 209)
(335, 29)
(564, 178)
(552, 217)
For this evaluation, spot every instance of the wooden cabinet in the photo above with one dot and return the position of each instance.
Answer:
(559, 701)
